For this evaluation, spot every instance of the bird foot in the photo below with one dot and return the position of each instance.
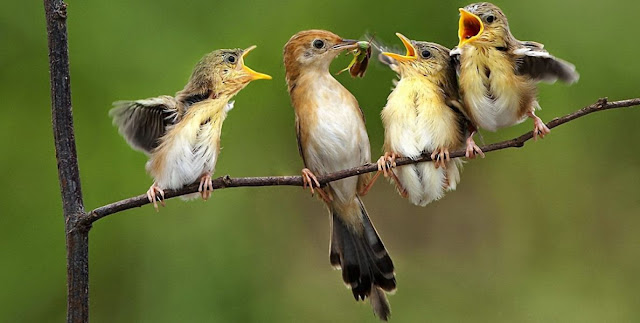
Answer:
(472, 149)
(310, 179)
(152, 195)
(440, 157)
(206, 186)
(386, 162)
(539, 128)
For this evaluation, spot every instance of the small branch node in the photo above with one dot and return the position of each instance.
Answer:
(226, 180)
(61, 11)
(602, 102)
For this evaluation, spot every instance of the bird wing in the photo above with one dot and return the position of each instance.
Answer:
(299, 141)
(534, 61)
(143, 122)
(455, 58)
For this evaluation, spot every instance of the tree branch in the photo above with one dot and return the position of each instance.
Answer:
(226, 181)
(76, 231)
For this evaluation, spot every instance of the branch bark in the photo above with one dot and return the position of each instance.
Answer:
(76, 231)
(226, 181)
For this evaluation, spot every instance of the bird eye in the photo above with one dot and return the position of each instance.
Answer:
(425, 54)
(231, 59)
(318, 43)
(490, 18)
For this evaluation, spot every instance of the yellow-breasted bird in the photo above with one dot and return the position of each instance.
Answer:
(498, 73)
(181, 134)
(331, 137)
(423, 114)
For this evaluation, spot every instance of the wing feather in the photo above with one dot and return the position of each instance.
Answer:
(533, 60)
(143, 122)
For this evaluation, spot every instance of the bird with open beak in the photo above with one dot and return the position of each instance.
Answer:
(423, 114)
(331, 137)
(181, 134)
(498, 73)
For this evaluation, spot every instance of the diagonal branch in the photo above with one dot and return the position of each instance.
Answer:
(226, 181)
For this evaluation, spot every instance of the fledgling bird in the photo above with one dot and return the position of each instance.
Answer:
(423, 114)
(498, 73)
(181, 134)
(331, 137)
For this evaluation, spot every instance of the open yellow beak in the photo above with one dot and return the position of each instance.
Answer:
(253, 74)
(469, 27)
(411, 51)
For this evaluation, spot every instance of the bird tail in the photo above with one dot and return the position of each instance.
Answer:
(357, 249)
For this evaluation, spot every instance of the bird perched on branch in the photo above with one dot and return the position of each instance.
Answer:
(498, 73)
(181, 134)
(331, 137)
(423, 114)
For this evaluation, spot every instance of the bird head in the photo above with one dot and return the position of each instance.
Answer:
(223, 72)
(483, 24)
(421, 58)
(313, 49)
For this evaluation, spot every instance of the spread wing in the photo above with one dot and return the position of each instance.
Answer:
(143, 122)
(533, 60)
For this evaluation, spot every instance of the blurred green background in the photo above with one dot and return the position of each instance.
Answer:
(546, 233)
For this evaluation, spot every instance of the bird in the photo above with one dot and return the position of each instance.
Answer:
(498, 73)
(423, 114)
(181, 134)
(332, 136)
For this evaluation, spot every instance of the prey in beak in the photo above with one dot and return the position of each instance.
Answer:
(252, 74)
(411, 51)
(469, 28)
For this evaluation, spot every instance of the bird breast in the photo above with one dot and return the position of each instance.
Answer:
(190, 148)
(493, 94)
(333, 134)
(416, 119)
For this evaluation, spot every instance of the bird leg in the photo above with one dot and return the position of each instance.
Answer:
(385, 164)
(206, 186)
(153, 197)
(539, 128)
(472, 149)
(310, 179)
(440, 157)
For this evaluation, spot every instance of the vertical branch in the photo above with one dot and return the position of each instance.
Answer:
(77, 236)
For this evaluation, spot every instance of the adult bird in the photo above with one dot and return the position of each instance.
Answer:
(423, 114)
(332, 136)
(181, 134)
(498, 73)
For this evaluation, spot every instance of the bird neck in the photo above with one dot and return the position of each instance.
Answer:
(304, 79)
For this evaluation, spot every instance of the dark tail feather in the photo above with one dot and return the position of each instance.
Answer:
(365, 263)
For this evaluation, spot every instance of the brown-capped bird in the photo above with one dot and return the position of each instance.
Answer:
(332, 137)
(498, 73)
(181, 134)
(423, 114)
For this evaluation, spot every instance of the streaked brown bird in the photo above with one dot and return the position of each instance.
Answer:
(331, 137)
(181, 134)
(498, 73)
(423, 114)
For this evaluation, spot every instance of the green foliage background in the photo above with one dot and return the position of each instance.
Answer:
(547, 233)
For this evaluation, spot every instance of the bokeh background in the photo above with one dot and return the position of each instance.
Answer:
(546, 233)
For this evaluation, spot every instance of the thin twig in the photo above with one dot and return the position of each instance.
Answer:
(226, 181)
(76, 232)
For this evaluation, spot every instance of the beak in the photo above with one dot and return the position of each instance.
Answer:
(345, 44)
(252, 74)
(411, 51)
(469, 27)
